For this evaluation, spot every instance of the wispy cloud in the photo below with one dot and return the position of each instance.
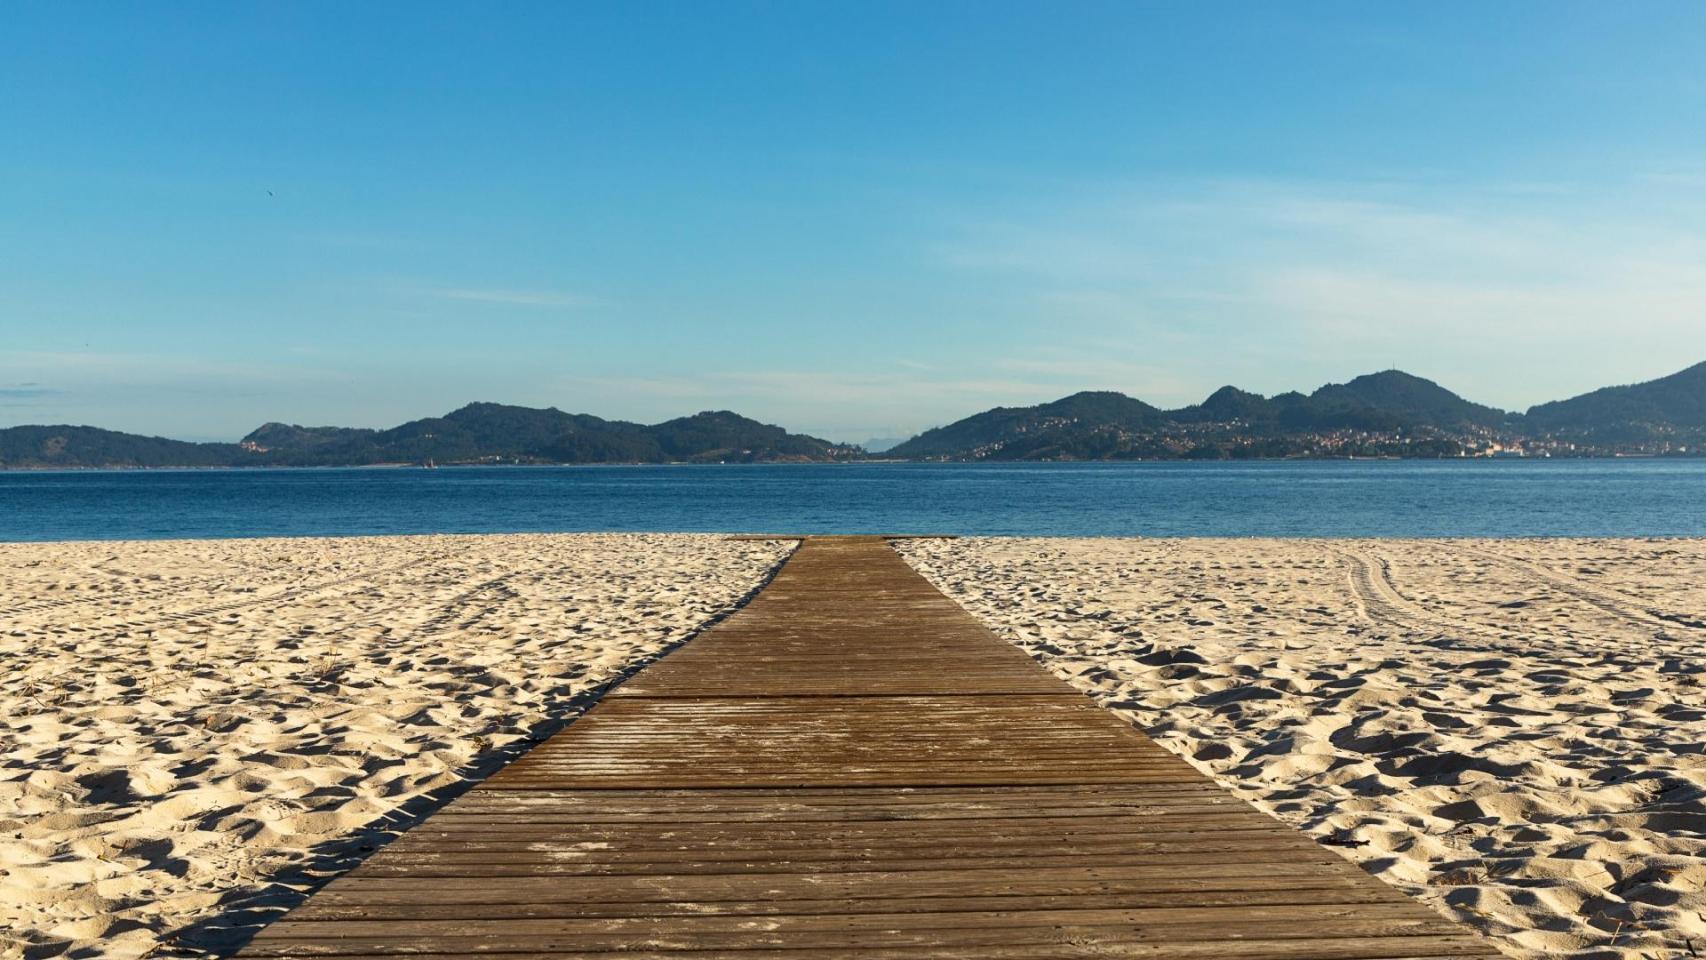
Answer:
(1091, 365)
(1527, 293)
(25, 394)
(908, 401)
(104, 370)
(809, 386)
(159, 393)
(519, 298)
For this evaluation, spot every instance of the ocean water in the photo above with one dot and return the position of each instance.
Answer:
(1509, 498)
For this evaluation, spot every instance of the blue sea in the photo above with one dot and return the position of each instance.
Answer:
(1509, 498)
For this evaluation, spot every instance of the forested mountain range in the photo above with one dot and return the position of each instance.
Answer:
(1391, 413)
(1642, 413)
(477, 433)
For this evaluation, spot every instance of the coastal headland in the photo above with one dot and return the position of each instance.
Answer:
(1389, 415)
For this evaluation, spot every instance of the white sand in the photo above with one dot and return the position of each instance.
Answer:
(1514, 731)
(193, 732)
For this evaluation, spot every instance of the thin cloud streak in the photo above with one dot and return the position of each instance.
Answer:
(24, 391)
(793, 397)
(1532, 299)
(519, 298)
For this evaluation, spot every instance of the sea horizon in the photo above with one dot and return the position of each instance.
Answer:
(1408, 498)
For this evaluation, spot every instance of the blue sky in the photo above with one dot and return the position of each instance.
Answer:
(856, 220)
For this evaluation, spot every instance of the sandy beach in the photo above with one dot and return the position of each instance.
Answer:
(193, 733)
(196, 733)
(1512, 731)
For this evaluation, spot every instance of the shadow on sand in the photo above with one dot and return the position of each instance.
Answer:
(245, 910)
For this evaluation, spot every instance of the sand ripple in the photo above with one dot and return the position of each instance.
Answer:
(1514, 731)
(195, 732)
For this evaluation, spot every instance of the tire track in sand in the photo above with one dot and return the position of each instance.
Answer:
(115, 596)
(282, 596)
(1371, 584)
(1609, 601)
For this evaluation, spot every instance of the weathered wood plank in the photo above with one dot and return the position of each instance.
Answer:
(853, 766)
(441, 909)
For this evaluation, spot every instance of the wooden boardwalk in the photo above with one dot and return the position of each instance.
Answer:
(854, 766)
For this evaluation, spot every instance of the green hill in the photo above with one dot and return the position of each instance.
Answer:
(497, 432)
(476, 433)
(1396, 398)
(1226, 405)
(1230, 422)
(67, 446)
(1390, 413)
(1641, 412)
(1084, 425)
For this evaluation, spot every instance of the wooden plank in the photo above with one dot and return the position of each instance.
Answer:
(852, 765)
(1290, 921)
(521, 907)
(1442, 948)
(958, 879)
(1278, 940)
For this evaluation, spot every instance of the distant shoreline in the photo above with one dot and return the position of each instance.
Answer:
(872, 461)
(1385, 415)
(1291, 498)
